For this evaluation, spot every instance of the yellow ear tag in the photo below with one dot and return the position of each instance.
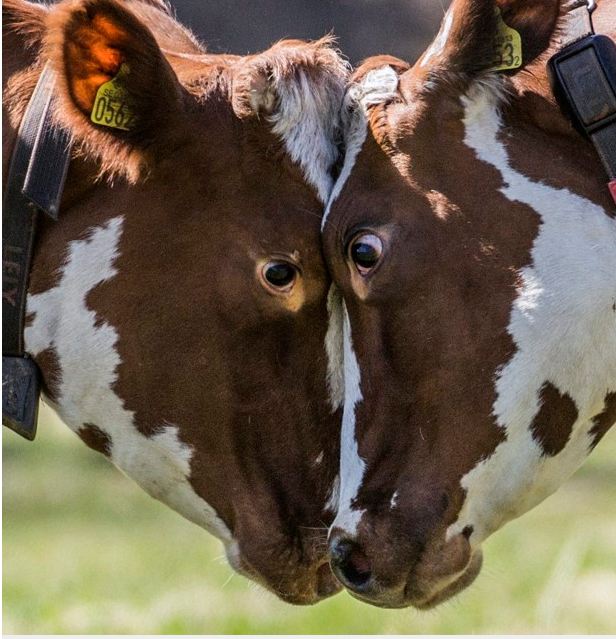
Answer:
(111, 103)
(507, 47)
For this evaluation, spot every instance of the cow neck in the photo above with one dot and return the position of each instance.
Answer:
(37, 173)
(583, 78)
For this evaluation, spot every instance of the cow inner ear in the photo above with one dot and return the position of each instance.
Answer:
(111, 68)
(95, 49)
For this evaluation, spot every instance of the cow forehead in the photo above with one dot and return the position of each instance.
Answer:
(249, 159)
(298, 99)
(377, 86)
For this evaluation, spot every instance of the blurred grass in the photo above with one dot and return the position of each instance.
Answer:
(86, 551)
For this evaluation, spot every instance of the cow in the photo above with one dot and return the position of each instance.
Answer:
(473, 243)
(177, 309)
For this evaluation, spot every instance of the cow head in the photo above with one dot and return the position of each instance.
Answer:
(470, 237)
(178, 309)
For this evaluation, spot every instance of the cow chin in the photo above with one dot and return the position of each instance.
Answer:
(431, 596)
(293, 579)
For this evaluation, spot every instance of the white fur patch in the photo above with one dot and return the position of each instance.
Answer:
(564, 329)
(393, 502)
(333, 498)
(307, 122)
(352, 466)
(88, 359)
(334, 348)
(376, 87)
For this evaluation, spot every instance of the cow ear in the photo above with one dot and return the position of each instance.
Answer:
(534, 21)
(474, 32)
(114, 80)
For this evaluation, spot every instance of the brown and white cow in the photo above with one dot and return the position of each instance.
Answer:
(177, 309)
(473, 239)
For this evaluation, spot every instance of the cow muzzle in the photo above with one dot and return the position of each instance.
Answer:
(385, 574)
(299, 578)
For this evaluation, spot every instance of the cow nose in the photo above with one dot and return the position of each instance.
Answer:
(350, 564)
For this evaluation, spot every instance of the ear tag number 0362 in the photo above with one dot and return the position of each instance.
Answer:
(111, 105)
(507, 47)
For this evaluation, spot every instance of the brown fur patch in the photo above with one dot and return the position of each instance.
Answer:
(51, 371)
(96, 439)
(25, 18)
(604, 420)
(539, 125)
(552, 425)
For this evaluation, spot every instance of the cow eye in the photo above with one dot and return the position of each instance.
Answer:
(365, 251)
(279, 276)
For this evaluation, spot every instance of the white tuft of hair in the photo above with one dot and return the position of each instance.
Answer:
(307, 120)
(378, 86)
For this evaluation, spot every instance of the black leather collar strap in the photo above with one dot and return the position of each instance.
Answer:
(583, 76)
(35, 182)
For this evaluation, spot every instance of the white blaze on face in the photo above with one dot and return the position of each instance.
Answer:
(352, 466)
(564, 328)
(88, 359)
(378, 85)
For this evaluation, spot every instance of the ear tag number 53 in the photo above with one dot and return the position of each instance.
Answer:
(507, 47)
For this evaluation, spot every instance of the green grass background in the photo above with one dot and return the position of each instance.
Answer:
(86, 551)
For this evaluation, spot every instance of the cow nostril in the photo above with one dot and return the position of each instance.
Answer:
(350, 565)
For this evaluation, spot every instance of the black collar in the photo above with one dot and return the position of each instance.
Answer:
(583, 77)
(35, 183)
